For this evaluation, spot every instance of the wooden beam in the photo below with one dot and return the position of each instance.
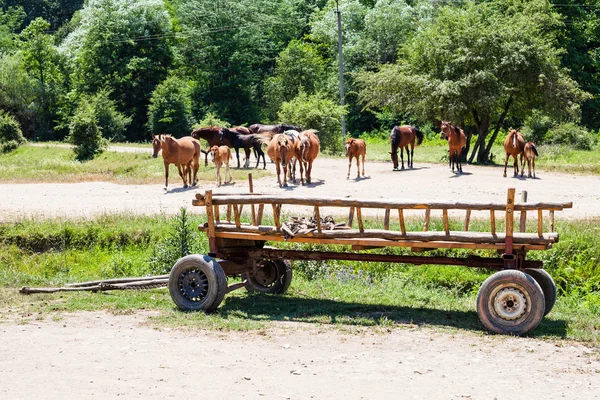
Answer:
(427, 216)
(261, 208)
(350, 217)
(401, 220)
(493, 222)
(509, 220)
(551, 220)
(446, 224)
(467, 220)
(276, 211)
(317, 218)
(236, 215)
(361, 228)
(386, 219)
(540, 224)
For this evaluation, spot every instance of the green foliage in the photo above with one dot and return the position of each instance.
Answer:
(211, 119)
(536, 127)
(170, 108)
(11, 136)
(571, 134)
(316, 112)
(85, 133)
(112, 123)
(11, 17)
(180, 240)
(17, 92)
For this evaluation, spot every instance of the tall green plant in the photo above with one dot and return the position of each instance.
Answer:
(85, 133)
(170, 109)
(11, 136)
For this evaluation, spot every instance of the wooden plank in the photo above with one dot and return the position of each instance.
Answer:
(493, 222)
(317, 218)
(361, 228)
(261, 208)
(401, 219)
(510, 212)
(228, 212)
(251, 190)
(276, 211)
(446, 224)
(377, 242)
(209, 214)
(551, 220)
(253, 198)
(350, 217)
(236, 212)
(523, 216)
(540, 224)
(467, 220)
(216, 211)
(386, 219)
(427, 216)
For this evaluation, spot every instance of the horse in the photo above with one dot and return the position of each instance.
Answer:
(356, 148)
(456, 142)
(306, 150)
(247, 142)
(281, 151)
(212, 135)
(221, 155)
(401, 137)
(514, 145)
(279, 128)
(530, 153)
(184, 153)
(294, 137)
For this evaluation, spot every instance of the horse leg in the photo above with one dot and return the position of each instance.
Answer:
(402, 157)
(308, 171)
(523, 159)
(284, 165)
(358, 167)
(505, 164)
(409, 156)
(218, 180)
(363, 163)
(166, 175)
(532, 165)
(237, 155)
(278, 173)
(301, 165)
(182, 174)
(515, 165)
(349, 165)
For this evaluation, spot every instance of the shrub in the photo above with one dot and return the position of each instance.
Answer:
(170, 109)
(571, 134)
(112, 122)
(211, 119)
(85, 133)
(11, 136)
(316, 112)
(536, 127)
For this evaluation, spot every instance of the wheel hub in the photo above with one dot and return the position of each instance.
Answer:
(510, 304)
(193, 285)
(266, 275)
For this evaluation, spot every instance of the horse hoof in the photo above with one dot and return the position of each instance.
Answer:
(504, 175)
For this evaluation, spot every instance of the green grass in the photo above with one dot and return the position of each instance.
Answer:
(56, 164)
(338, 293)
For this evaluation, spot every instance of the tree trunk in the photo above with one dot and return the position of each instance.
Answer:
(498, 125)
(483, 128)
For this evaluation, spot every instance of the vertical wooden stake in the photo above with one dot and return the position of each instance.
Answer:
(212, 240)
(467, 220)
(251, 187)
(540, 226)
(261, 208)
(551, 220)
(228, 212)
(276, 210)
(493, 222)
(427, 216)
(401, 219)
(237, 212)
(350, 217)
(317, 215)
(523, 218)
(509, 220)
(217, 217)
(446, 224)
(386, 219)
(361, 228)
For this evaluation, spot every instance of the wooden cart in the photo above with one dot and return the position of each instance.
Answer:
(512, 300)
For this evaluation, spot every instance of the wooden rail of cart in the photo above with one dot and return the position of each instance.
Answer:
(513, 300)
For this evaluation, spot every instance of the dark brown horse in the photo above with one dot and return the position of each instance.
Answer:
(401, 137)
(456, 142)
(529, 153)
(184, 153)
(246, 142)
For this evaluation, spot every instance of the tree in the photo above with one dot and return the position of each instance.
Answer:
(17, 92)
(85, 133)
(170, 108)
(57, 12)
(478, 64)
(11, 19)
(11, 136)
(124, 45)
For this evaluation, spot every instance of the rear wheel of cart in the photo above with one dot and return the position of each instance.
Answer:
(547, 284)
(197, 283)
(272, 276)
(510, 302)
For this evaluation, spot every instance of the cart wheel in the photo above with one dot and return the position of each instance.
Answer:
(197, 282)
(510, 302)
(273, 276)
(547, 284)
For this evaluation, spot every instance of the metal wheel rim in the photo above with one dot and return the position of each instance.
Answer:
(193, 285)
(510, 303)
(266, 276)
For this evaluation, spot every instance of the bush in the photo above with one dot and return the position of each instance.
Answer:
(211, 119)
(572, 135)
(112, 122)
(536, 127)
(85, 133)
(170, 109)
(316, 112)
(11, 136)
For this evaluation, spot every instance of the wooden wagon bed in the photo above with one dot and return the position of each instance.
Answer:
(513, 300)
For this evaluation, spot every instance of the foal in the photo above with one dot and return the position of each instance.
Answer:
(530, 153)
(356, 148)
(221, 155)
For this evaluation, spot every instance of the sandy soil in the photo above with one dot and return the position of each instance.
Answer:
(99, 355)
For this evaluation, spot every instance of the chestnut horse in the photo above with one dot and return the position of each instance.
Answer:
(356, 148)
(530, 153)
(456, 142)
(281, 151)
(184, 153)
(307, 149)
(221, 155)
(514, 145)
(401, 137)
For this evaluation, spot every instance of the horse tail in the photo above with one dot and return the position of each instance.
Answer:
(262, 138)
(534, 150)
(420, 136)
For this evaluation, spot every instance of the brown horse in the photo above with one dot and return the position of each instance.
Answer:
(307, 149)
(356, 148)
(456, 142)
(281, 151)
(279, 128)
(184, 153)
(514, 145)
(246, 142)
(221, 155)
(211, 135)
(530, 153)
(401, 137)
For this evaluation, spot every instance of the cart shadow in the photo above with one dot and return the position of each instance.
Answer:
(262, 307)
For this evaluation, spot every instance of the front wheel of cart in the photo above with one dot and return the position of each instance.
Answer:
(197, 283)
(510, 302)
(547, 284)
(272, 276)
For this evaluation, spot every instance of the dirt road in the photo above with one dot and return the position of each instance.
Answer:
(99, 355)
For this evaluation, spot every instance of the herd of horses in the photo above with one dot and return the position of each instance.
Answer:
(288, 145)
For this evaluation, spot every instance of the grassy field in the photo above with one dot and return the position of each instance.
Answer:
(338, 293)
